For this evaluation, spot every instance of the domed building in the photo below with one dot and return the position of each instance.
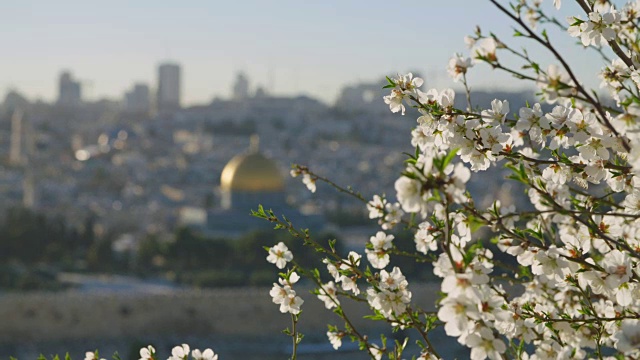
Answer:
(248, 180)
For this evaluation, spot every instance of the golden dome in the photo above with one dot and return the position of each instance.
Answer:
(251, 172)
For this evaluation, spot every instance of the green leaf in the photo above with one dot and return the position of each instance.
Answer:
(332, 245)
(449, 157)
(576, 21)
(474, 223)
(535, 67)
(260, 213)
(391, 82)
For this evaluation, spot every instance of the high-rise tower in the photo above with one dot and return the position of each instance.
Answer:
(168, 87)
(70, 91)
(16, 156)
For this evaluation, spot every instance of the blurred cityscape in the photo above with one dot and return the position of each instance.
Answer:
(133, 163)
(161, 194)
(113, 173)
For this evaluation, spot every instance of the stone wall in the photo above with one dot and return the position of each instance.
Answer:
(36, 317)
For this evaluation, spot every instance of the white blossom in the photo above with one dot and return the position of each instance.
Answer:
(457, 313)
(376, 207)
(628, 337)
(409, 192)
(378, 256)
(180, 352)
(497, 114)
(147, 353)
(376, 352)
(485, 48)
(327, 294)
(279, 255)
(310, 182)
(207, 354)
(90, 355)
(458, 66)
(335, 338)
(598, 29)
(617, 266)
(424, 240)
(484, 345)
(404, 85)
(393, 216)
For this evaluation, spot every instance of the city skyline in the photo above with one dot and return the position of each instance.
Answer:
(287, 48)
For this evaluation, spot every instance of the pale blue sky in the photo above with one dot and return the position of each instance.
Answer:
(307, 47)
